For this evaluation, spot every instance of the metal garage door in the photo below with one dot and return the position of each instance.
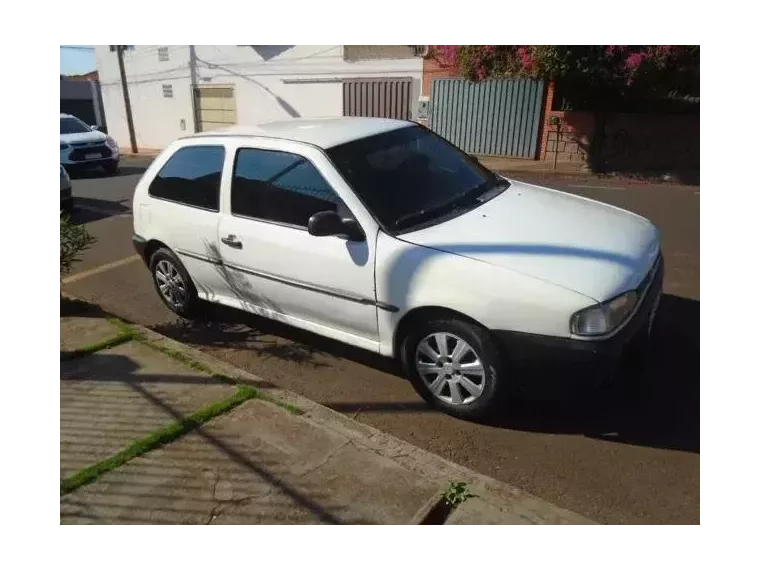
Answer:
(499, 117)
(215, 105)
(387, 97)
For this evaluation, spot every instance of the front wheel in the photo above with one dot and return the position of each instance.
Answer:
(173, 283)
(456, 367)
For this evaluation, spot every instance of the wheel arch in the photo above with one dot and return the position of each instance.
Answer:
(425, 313)
(152, 247)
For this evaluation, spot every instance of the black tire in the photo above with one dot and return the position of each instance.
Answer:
(111, 167)
(68, 207)
(187, 304)
(492, 398)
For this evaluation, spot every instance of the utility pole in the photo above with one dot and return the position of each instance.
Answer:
(194, 87)
(125, 90)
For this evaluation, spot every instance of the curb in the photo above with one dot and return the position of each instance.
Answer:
(531, 509)
(151, 152)
(502, 496)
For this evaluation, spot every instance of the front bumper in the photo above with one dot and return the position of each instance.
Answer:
(72, 157)
(610, 350)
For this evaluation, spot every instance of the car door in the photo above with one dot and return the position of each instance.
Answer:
(274, 266)
(183, 211)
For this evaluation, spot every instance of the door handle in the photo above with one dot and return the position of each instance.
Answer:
(232, 241)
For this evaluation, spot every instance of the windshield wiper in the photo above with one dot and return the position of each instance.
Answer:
(494, 191)
(455, 203)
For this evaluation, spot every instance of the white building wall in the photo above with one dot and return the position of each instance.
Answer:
(157, 120)
(270, 83)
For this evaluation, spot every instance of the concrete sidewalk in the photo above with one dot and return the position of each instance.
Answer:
(141, 151)
(508, 165)
(277, 458)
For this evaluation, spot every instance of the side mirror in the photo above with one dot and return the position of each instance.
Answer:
(329, 223)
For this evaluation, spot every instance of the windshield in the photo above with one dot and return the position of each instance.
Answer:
(71, 125)
(411, 176)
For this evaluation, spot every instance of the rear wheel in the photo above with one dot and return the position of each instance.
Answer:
(456, 367)
(173, 283)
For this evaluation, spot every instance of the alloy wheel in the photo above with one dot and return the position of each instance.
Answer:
(450, 367)
(170, 283)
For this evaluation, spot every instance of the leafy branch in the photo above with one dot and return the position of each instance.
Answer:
(74, 240)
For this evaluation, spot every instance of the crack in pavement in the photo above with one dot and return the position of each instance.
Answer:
(325, 460)
(221, 504)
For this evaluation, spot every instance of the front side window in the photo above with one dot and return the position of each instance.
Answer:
(411, 176)
(192, 176)
(279, 187)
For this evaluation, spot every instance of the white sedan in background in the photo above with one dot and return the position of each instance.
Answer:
(84, 147)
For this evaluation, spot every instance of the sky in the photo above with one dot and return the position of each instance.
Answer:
(77, 59)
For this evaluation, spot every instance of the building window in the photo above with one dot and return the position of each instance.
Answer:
(163, 53)
(361, 53)
(168, 91)
(419, 51)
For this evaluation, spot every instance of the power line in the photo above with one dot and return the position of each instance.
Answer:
(88, 48)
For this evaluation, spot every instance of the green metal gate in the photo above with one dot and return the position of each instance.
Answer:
(498, 117)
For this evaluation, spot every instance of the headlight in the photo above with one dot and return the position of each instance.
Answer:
(603, 318)
(64, 145)
(111, 144)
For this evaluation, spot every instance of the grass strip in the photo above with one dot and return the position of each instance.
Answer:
(121, 338)
(190, 362)
(158, 438)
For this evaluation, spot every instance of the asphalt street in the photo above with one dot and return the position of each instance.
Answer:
(631, 459)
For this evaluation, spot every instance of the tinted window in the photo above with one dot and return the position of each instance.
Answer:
(411, 176)
(71, 125)
(191, 176)
(279, 187)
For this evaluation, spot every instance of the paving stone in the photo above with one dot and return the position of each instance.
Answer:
(77, 332)
(110, 398)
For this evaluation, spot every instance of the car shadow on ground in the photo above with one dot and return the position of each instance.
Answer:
(88, 210)
(654, 403)
(98, 172)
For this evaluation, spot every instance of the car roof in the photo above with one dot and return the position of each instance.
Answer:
(324, 133)
(66, 116)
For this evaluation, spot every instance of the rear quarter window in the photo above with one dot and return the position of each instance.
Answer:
(192, 176)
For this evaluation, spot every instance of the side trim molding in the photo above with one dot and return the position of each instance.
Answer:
(293, 283)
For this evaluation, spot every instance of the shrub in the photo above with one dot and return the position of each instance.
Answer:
(74, 240)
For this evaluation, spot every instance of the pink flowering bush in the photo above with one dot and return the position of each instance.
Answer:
(664, 68)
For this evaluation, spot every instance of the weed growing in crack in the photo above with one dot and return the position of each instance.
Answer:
(456, 494)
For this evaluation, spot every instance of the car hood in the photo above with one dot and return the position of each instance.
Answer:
(592, 248)
(92, 136)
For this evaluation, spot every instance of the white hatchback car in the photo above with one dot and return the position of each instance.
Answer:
(383, 235)
(83, 146)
